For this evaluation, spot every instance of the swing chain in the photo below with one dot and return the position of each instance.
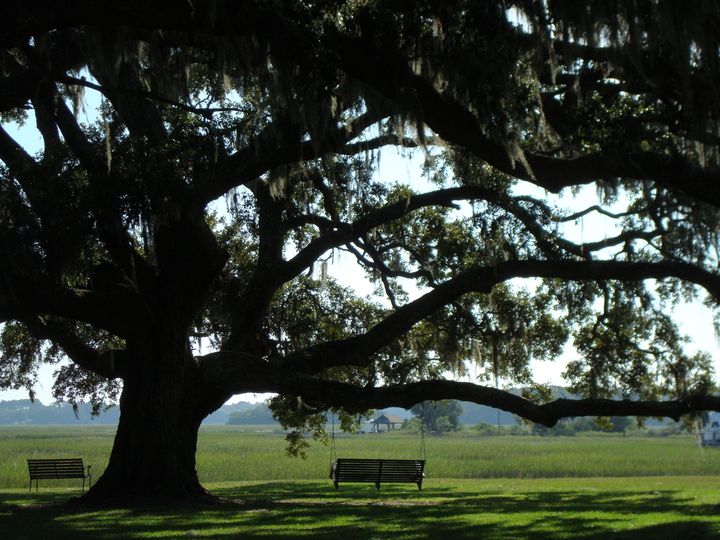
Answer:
(333, 454)
(423, 452)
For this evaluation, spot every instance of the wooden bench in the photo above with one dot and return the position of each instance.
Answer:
(378, 471)
(53, 469)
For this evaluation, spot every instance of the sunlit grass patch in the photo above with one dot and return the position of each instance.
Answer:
(590, 508)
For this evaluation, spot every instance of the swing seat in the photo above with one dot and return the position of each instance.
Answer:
(377, 471)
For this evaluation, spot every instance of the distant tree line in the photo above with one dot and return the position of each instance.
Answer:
(259, 414)
(574, 426)
(25, 411)
(571, 426)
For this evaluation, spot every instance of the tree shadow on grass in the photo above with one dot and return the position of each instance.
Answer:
(292, 510)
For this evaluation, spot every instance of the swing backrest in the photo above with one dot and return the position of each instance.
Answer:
(377, 471)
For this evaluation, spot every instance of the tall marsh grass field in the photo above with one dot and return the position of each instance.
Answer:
(243, 453)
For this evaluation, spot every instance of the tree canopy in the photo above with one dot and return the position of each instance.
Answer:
(174, 242)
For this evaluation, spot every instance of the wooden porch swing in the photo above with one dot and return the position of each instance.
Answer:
(377, 471)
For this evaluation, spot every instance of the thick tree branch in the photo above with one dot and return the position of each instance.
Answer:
(22, 166)
(44, 103)
(223, 372)
(358, 350)
(28, 286)
(247, 308)
(16, 89)
(377, 142)
(139, 112)
(109, 222)
(110, 364)
(268, 151)
(594, 208)
(343, 233)
(78, 143)
(356, 399)
(391, 75)
(119, 314)
(22, 82)
(26, 18)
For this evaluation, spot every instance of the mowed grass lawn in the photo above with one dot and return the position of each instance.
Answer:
(506, 487)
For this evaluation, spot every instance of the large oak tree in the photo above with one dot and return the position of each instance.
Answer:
(231, 149)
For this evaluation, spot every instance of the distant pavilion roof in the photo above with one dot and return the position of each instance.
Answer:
(388, 419)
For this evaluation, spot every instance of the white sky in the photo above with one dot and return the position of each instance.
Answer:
(694, 319)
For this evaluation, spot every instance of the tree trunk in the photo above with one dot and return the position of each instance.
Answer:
(153, 456)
